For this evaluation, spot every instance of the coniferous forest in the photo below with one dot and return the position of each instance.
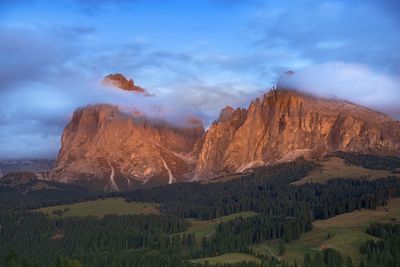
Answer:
(284, 212)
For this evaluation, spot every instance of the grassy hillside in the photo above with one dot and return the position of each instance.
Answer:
(228, 258)
(345, 232)
(335, 167)
(203, 229)
(343, 165)
(100, 208)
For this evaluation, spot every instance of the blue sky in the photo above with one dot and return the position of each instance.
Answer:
(195, 56)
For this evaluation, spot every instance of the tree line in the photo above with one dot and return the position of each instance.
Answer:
(384, 252)
(374, 162)
(269, 191)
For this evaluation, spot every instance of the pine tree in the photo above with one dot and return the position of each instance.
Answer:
(281, 248)
(349, 262)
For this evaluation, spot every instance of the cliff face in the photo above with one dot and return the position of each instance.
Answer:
(218, 138)
(117, 150)
(286, 124)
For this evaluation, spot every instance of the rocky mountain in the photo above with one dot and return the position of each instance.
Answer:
(118, 150)
(286, 124)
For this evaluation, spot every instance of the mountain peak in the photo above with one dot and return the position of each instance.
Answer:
(324, 105)
(118, 80)
(226, 113)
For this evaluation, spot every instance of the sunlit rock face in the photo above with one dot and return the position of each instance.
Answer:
(285, 124)
(118, 150)
(216, 142)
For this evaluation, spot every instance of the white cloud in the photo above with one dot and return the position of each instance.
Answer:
(354, 82)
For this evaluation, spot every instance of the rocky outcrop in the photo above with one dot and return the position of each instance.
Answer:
(118, 150)
(286, 124)
(119, 81)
